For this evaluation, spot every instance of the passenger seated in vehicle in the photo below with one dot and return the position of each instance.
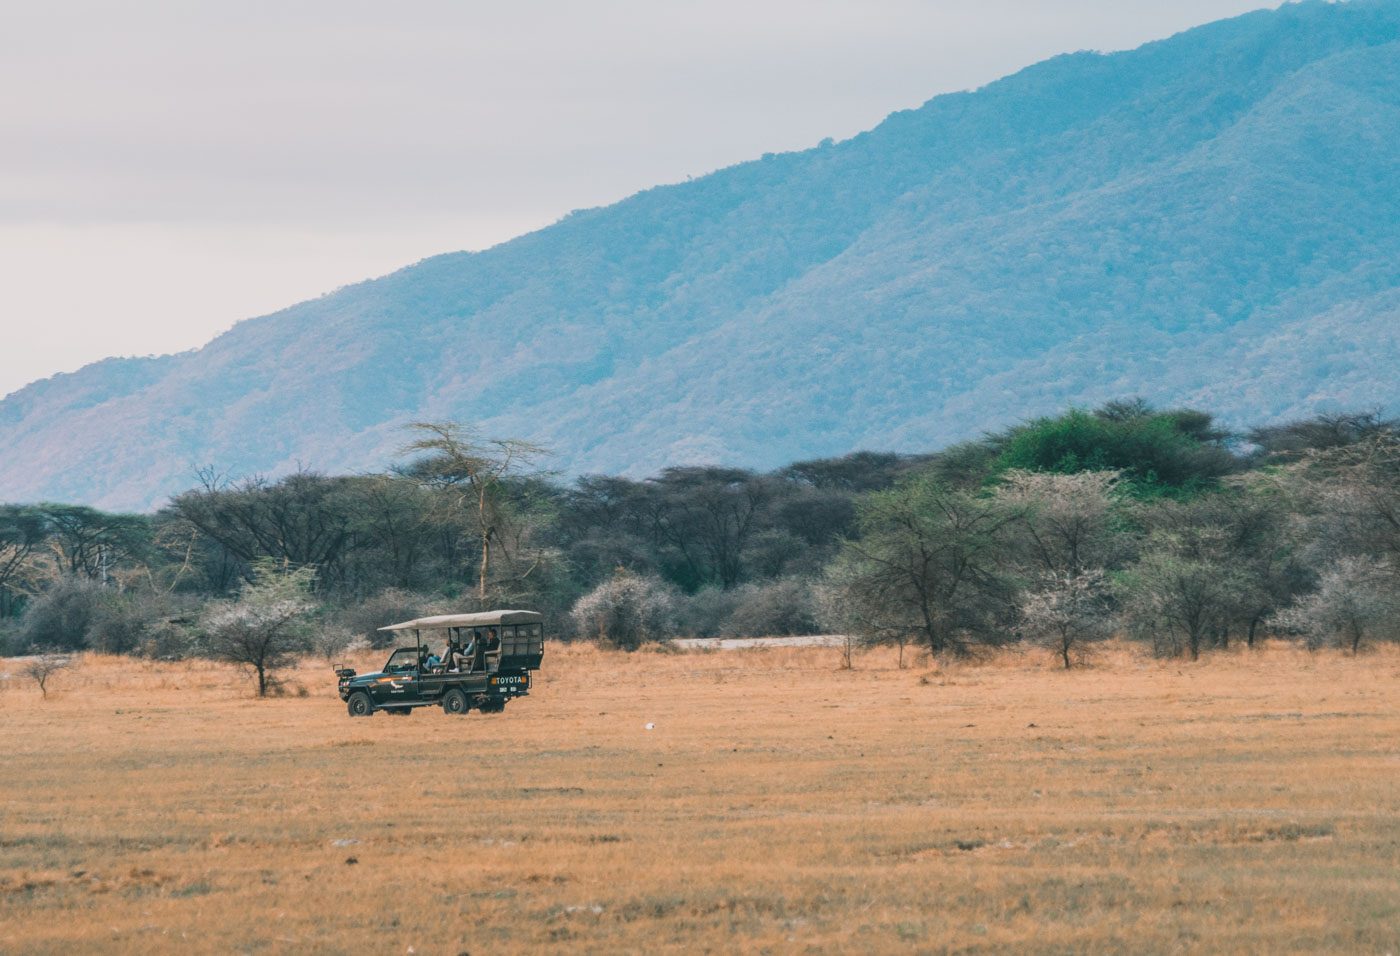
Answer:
(428, 661)
(482, 643)
(462, 656)
(491, 650)
(450, 656)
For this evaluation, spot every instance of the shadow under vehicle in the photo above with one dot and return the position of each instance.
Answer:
(458, 662)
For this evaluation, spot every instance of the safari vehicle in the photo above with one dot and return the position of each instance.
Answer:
(458, 662)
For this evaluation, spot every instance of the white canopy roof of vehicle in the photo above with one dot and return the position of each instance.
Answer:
(479, 619)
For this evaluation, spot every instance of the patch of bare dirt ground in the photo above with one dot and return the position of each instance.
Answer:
(1248, 803)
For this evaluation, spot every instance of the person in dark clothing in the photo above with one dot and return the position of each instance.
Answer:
(479, 658)
(466, 655)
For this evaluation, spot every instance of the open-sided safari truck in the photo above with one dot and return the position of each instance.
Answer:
(456, 662)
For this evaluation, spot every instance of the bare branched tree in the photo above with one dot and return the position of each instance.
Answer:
(1293, 441)
(176, 541)
(44, 666)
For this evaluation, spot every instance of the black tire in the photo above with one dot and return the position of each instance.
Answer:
(493, 706)
(455, 702)
(360, 705)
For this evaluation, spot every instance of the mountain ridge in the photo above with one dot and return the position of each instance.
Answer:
(1091, 226)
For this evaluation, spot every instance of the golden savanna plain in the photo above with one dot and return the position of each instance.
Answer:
(1246, 803)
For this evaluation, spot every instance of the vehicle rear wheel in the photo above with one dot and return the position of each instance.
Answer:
(455, 702)
(359, 704)
(493, 706)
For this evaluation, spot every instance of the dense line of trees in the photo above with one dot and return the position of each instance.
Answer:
(1063, 530)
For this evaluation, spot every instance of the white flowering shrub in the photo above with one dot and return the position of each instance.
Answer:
(627, 610)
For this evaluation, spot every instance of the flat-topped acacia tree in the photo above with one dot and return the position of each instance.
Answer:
(455, 458)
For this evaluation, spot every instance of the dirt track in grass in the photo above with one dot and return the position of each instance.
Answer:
(1249, 803)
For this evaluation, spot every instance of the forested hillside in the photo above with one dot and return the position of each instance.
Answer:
(1213, 219)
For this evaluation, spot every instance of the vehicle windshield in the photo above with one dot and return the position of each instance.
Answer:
(402, 661)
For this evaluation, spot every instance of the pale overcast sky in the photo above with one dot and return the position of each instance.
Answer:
(167, 169)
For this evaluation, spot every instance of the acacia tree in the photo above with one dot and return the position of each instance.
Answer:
(1344, 493)
(396, 514)
(927, 563)
(1354, 600)
(1352, 496)
(1068, 611)
(1065, 530)
(44, 666)
(1064, 524)
(1244, 528)
(22, 531)
(302, 519)
(707, 516)
(1181, 590)
(1263, 548)
(473, 471)
(264, 628)
(92, 543)
(699, 526)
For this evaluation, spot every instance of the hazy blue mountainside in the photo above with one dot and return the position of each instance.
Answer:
(1210, 219)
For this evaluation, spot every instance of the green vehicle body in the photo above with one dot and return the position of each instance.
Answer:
(497, 652)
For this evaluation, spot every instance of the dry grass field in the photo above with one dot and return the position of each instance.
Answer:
(1250, 803)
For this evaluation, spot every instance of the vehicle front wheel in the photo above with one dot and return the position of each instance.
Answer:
(455, 702)
(360, 705)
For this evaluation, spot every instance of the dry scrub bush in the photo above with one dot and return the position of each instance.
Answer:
(1355, 600)
(333, 643)
(364, 618)
(80, 613)
(627, 611)
(775, 609)
(60, 618)
(705, 613)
